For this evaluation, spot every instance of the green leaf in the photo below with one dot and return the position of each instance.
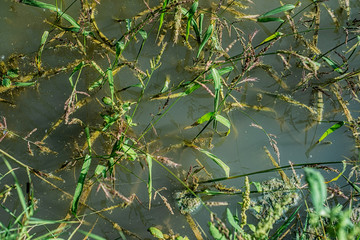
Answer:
(130, 152)
(162, 15)
(76, 26)
(332, 129)
(111, 82)
(224, 122)
(12, 73)
(77, 68)
(206, 117)
(80, 184)
(272, 37)
(149, 162)
(283, 8)
(215, 233)
(100, 170)
(221, 72)
(166, 85)
(216, 160)
(217, 85)
(143, 34)
(190, 15)
(232, 220)
(156, 232)
(317, 188)
(24, 84)
(42, 44)
(206, 38)
(333, 64)
(6, 82)
(270, 19)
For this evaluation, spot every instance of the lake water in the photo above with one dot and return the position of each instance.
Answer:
(242, 150)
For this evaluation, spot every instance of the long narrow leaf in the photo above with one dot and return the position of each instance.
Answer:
(80, 184)
(332, 129)
(206, 117)
(224, 122)
(277, 10)
(41, 49)
(217, 85)
(111, 83)
(34, 3)
(18, 188)
(162, 15)
(216, 160)
(149, 162)
(190, 14)
(206, 38)
(272, 37)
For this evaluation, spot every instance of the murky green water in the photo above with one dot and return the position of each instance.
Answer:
(242, 150)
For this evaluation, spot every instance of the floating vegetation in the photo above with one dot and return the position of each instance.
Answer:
(138, 97)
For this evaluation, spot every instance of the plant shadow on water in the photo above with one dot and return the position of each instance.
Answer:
(179, 119)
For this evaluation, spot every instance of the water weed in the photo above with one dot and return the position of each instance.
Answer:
(239, 68)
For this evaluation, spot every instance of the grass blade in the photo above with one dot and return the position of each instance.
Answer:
(149, 162)
(232, 221)
(206, 117)
(206, 38)
(217, 160)
(333, 64)
(111, 83)
(42, 44)
(80, 184)
(34, 3)
(332, 129)
(224, 122)
(190, 14)
(162, 15)
(272, 37)
(277, 10)
(217, 85)
(18, 188)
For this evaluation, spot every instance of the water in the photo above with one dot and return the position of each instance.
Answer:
(242, 150)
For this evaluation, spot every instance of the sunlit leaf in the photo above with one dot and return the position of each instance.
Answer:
(156, 232)
(24, 84)
(216, 160)
(332, 129)
(277, 10)
(130, 152)
(333, 64)
(34, 3)
(111, 83)
(190, 15)
(76, 69)
(100, 170)
(206, 117)
(232, 220)
(42, 44)
(149, 162)
(317, 188)
(80, 184)
(224, 122)
(215, 233)
(217, 85)
(272, 37)
(206, 38)
(221, 72)
(162, 15)
(6, 82)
